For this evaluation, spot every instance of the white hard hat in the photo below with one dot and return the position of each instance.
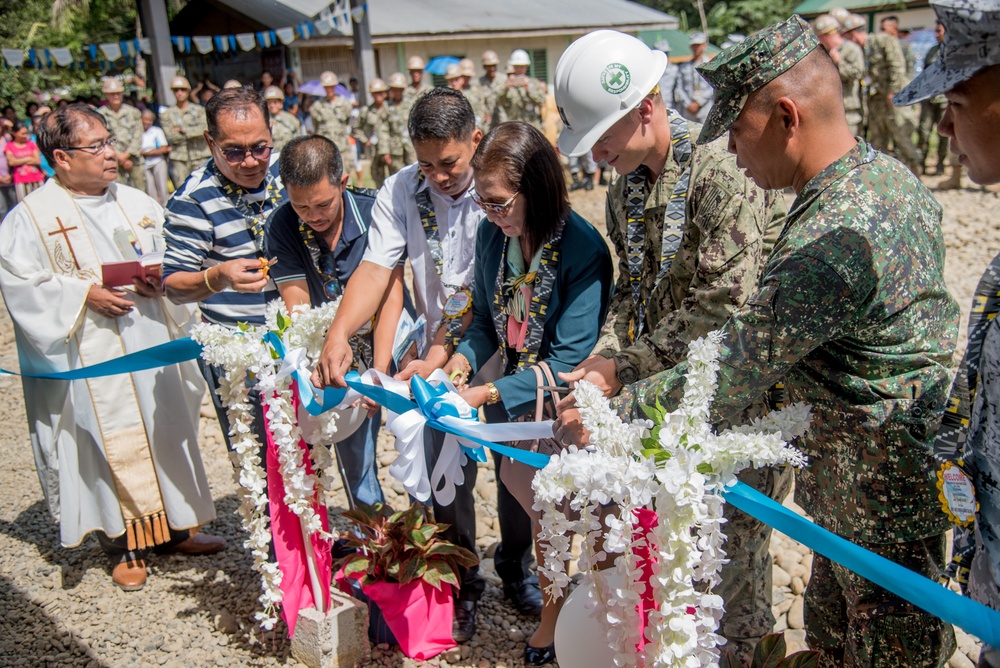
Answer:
(377, 86)
(519, 57)
(180, 82)
(232, 83)
(273, 93)
(112, 85)
(601, 77)
(840, 14)
(328, 78)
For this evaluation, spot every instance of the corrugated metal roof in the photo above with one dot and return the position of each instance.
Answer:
(814, 7)
(416, 17)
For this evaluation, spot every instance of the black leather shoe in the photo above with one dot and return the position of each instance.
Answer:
(588, 185)
(526, 596)
(539, 656)
(464, 626)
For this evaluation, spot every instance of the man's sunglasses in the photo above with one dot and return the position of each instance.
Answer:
(235, 156)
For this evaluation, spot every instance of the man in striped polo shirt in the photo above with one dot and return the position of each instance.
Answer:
(215, 225)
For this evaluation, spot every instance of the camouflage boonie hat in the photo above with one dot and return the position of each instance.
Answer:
(971, 44)
(750, 65)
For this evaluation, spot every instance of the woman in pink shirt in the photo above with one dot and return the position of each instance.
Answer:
(24, 159)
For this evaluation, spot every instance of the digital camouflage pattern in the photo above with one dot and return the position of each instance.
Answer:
(284, 128)
(729, 228)
(185, 130)
(482, 101)
(333, 121)
(690, 86)
(887, 125)
(885, 630)
(854, 313)
(403, 110)
(492, 90)
(852, 69)
(125, 127)
(750, 65)
(522, 102)
(381, 127)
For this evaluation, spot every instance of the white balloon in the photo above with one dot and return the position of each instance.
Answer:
(581, 640)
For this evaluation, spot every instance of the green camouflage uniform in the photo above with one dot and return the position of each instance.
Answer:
(284, 128)
(493, 90)
(125, 127)
(729, 228)
(403, 111)
(852, 70)
(886, 126)
(185, 130)
(853, 313)
(380, 126)
(483, 100)
(930, 113)
(333, 121)
(523, 103)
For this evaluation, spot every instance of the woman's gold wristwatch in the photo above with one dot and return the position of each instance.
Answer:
(494, 394)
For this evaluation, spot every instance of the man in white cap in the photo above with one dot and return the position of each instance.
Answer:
(331, 118)
(694, 95)
(522, 97)
(692, 234)
(967, 73)
(284, 126)
(490, 78)
(850, 62)
(125, 125)
(453, 76)
(184, 124)
(415, 67)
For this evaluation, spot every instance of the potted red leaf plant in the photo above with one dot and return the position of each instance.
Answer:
(408, 575)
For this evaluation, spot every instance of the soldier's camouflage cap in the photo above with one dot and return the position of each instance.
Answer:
(750, 65)
(971, 44)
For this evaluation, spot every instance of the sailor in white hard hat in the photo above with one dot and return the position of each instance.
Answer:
(692, 228)
(523, 97)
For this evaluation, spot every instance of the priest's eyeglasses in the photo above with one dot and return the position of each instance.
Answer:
(492, 207)
(95, 149)
(235, 156)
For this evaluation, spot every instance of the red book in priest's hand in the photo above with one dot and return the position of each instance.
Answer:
(121, 274)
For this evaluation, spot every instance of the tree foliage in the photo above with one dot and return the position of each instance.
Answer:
(726, 17)
(31, 24)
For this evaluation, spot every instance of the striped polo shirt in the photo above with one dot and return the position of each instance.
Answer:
(204, 228)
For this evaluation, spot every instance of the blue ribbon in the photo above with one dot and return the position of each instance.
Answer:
(922, 592)
(164, 354)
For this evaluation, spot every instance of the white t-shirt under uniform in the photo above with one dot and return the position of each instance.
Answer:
(396, 228)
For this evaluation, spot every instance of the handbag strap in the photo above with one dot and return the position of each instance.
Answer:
(545, 381)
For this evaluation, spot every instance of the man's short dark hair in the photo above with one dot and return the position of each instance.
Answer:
(443, 113)
(306, 161)
(236, 101)
(889, 19)
(61, 128)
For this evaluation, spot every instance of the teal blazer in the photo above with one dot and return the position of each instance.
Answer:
(577, 310)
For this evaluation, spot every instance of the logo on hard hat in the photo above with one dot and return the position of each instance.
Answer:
(615, 78)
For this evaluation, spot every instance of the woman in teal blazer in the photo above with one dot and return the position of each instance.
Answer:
(543, 280)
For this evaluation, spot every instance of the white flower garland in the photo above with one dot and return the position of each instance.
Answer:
(243, 353)
(681, 477)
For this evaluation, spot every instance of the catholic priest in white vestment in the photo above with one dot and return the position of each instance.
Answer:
(116, 455)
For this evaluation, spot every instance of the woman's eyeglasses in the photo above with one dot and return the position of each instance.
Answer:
(235, 156)
(492, 207)
(94, 149)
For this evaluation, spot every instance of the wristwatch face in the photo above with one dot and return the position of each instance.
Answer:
(627, 373)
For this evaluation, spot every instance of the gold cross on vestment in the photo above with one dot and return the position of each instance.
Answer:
(65, 232)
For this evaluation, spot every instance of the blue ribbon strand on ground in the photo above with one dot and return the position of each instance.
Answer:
(936, 599)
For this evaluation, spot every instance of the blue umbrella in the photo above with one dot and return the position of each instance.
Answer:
(440, 64)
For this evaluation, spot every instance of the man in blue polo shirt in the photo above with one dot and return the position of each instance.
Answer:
(215, 226)
(319, 238)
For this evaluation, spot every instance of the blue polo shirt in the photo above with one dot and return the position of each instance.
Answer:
(295, 263)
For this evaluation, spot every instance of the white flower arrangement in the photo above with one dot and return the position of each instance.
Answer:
(249, 362)
(679, 470)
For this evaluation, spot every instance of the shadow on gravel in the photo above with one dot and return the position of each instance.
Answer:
(224, 588)
(35, 526)
(32, 638)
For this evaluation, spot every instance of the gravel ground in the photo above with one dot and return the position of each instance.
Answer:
(58, 607)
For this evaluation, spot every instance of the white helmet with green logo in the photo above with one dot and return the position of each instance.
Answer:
(601, 77)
